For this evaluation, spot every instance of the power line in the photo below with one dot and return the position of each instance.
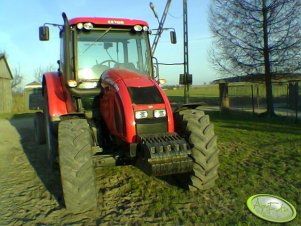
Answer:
(175, 17)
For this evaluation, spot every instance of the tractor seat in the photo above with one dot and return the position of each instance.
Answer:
(129, 66)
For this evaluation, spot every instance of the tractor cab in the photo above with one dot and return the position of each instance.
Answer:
(91, 46)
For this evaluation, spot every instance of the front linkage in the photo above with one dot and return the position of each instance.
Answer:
(164, 154)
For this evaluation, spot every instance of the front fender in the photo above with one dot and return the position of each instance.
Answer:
(56, 99)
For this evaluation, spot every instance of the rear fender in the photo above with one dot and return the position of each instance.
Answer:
(59, 103)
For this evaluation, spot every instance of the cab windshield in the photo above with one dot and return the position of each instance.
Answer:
(100, 50)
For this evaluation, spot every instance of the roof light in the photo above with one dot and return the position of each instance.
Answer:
(88, 26)
(138, 28)
(145, 28)
(80, 26)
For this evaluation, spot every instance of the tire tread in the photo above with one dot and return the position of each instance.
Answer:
(76, 165)
(195, 126)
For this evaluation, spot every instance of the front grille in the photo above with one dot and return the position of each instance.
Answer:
(151, 126)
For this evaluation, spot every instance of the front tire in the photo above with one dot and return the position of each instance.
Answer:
(76, 165)
(195, 127)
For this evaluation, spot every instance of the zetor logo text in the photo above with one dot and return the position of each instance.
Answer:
(115, 22)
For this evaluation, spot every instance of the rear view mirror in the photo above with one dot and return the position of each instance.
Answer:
(44, 33)
(173, 37)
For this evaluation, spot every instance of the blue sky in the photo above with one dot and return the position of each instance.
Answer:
(20, 21)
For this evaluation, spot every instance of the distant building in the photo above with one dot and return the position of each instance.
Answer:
(6, 98)
(33, 85)
(33, 96)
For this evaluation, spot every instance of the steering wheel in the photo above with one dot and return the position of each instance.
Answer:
(108, 62)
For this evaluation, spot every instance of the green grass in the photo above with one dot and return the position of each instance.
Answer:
(235, 89)
(207, 94)
(16, 115)
(257, 155)
(196, 91)
(19, 102)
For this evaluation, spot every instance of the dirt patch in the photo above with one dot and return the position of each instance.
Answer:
(31, 192)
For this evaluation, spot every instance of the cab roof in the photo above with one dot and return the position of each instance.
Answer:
(107, 21)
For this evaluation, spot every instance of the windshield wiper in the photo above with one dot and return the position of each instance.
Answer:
(96, 40)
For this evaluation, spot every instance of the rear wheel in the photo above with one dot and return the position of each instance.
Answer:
(76, 165)
(51, 136)
(39, 128)
(195, 127)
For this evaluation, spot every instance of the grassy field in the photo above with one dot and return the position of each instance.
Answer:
(235, 89)
(256, 156)
(16, 115)
(207, 93)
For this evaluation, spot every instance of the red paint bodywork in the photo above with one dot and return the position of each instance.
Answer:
(115, 83)
(107, 21)
(59, 101)
(115, 100)
(116, 107)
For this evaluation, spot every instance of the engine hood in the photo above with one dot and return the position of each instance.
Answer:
(128, 77)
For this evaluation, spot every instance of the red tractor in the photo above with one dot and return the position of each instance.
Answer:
(104, 107)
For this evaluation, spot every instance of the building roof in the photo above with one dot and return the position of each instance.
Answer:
(33, 85)
(260, 78)
(5, 71)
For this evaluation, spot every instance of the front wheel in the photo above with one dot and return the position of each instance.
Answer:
(76, 165)
(194, 125)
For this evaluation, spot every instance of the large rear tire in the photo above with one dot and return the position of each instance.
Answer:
(51, 136)
(39, 128)
(195, 127)
(76, 165)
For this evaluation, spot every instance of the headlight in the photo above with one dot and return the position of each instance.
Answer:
(80, 26)
(88, 26)
(140, 114)
(159, 113)
(138, 28)
(88, 85)
(145, 28)
(72, 83)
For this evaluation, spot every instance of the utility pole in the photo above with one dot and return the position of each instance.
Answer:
(186, 58)
(161, 23)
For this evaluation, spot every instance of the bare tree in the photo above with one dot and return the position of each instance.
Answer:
(256, 37)
(41, 70)
(17, 80)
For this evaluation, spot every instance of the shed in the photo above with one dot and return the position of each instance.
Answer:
(6, 98)
(33, 96)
